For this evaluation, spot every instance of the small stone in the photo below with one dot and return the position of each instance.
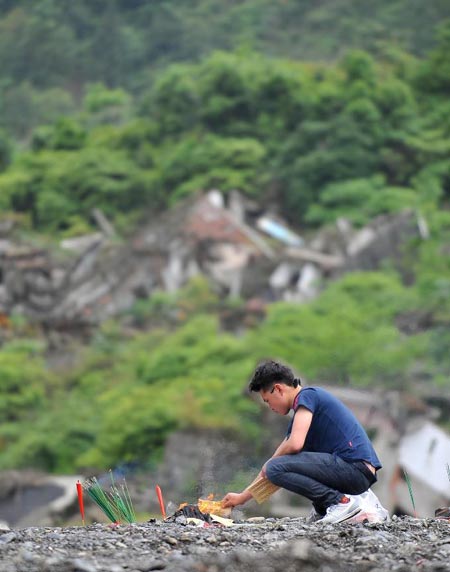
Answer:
(8, 537)
(79, 565)
(55, 536)
(28, 556)
(150, 566)
(300, 549)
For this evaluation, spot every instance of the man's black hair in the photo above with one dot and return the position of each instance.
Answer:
(270, 372)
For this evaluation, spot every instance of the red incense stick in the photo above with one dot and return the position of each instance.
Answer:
(160, 500)
(80, 500)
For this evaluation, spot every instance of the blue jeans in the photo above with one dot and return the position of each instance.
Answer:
(320, 477)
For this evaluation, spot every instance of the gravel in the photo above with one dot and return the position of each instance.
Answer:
(267, 545)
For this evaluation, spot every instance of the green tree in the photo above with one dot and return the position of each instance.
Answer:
(174, 101)
(5, 150)
(22, 380)
(435, 73)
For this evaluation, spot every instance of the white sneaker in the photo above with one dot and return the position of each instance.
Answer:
(372, 510)
(343, 510)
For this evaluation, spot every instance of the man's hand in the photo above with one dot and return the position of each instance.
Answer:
(262, 473)
(234, 499)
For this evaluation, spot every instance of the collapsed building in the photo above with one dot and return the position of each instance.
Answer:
(243, 251)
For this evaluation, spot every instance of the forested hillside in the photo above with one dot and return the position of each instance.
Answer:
(277, 129)
(98, 116)
(51, 49)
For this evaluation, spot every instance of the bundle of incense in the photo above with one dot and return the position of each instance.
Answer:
(262, 489)
(115, 503)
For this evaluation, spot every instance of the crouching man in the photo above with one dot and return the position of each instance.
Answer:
(326, 455)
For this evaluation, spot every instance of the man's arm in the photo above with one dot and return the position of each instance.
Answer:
(294, 443)
(289, 446)
(300, 427)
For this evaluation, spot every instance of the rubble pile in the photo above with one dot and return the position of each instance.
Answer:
(279, 545)
(243, 250)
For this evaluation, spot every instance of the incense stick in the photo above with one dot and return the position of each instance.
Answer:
(160, 500)
(408, 482)
(80, 501)
(127, 498)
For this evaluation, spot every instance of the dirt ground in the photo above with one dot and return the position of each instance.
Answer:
(267, 545)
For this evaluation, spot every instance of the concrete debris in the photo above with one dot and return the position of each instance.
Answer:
(229, 262)
(174, 274)
(236, 206)
(385, 237)
(295, 284)
(326, 262)
(309, 281)
(282, 276)
(361, 241)
(104, 224)
(81, 243)
(240, 249)
(278, 230)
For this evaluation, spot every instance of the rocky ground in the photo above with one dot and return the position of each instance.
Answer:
(267, 545)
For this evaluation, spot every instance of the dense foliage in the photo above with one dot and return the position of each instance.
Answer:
(359, 138)
(50, 50)
(363, 135)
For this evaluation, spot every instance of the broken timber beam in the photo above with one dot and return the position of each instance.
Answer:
(326, 261)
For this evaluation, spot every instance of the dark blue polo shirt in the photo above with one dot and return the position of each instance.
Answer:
(334, 428)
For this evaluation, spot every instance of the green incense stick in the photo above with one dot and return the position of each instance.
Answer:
(408, 482)
(116, 504)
